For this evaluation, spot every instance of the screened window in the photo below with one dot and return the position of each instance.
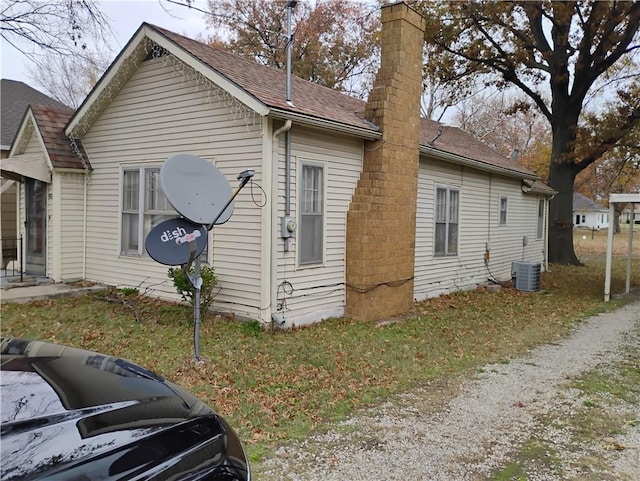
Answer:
(540, 230)
(446, 242)
(311, 232)
(143, 207)
(503, 211)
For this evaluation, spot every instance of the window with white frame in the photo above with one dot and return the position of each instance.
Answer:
(540, 229)
(311, 205)
(503, 211)
(143, 207)
(446, 218)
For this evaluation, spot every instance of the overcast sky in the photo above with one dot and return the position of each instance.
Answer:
(125, 18)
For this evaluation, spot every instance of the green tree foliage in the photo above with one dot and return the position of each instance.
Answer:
(566, 57)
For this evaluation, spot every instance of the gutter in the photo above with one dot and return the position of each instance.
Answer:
(457, 159)
(302, 119)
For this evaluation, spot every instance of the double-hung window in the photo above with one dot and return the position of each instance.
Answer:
(503, 211)
(446, 242)
(143, 207)
(311, 204)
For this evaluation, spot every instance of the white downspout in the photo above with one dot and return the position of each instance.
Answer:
(84, 228)
(274, 215)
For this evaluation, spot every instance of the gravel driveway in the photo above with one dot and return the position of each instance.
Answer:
(569, 410)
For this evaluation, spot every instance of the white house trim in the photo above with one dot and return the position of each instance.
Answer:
(325, 124)
(616, 199)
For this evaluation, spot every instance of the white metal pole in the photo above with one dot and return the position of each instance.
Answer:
(607, 278)
(630, 250)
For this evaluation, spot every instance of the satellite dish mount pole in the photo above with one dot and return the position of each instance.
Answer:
(196, 279)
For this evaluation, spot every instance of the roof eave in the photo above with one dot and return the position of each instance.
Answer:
(311, 121)
(476, 164)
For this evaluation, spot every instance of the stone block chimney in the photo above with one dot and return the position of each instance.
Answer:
(381, 221)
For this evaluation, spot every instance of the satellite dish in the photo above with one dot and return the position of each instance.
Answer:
(176, 242)
(196, 189)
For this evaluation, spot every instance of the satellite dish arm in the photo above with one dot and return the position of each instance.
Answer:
(243, 177)
(187, 267)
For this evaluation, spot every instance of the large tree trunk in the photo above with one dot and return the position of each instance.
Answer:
(617, 208)
(561, 178)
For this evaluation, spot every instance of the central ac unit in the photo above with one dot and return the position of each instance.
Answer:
(525, 276)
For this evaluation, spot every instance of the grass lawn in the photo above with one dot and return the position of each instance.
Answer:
(279, 386)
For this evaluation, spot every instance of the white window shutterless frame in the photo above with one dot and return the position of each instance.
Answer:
(446, 221)
(143, 207)
(311, 213)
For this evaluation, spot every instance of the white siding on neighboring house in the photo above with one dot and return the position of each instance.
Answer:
(33, 145)
(157, 114)
(478, 228)
(589, 219)
(68, 226)
(318, 290)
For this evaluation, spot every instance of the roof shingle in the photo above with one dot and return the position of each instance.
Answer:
(51, 121)
(15, 98)
(268, 85)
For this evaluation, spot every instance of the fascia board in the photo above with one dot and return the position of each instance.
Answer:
(624, 198)
(458, 159)
(30, 119)
(324, 124)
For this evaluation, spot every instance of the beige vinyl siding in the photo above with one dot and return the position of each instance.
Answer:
(69, 231)
(479, 209)
(319, 290)
(507, 242)
(34, 146)
(158, 114)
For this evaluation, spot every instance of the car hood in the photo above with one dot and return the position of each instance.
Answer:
(72, 414)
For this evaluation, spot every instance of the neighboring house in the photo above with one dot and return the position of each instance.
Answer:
(588, 214)
(389, 208)
(51, 192)
(15, 97)
(625, 217)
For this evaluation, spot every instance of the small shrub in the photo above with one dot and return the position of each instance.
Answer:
(208, 290)
(251, 328)
(130, 291)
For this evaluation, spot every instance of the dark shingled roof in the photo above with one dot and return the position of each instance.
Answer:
(455, 141)
(51, 121)
(581, 202)
(15, 97)
(268, 85)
